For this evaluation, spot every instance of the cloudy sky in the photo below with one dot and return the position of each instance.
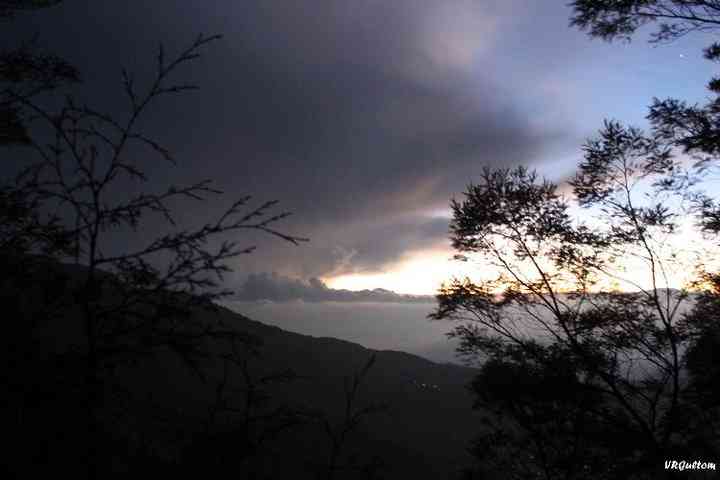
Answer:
(363, 117)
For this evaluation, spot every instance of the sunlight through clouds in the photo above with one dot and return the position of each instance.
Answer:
(418, 273)
(423, 272)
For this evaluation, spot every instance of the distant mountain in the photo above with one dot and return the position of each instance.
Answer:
(429, 421)
(279, 288)
(422, 434)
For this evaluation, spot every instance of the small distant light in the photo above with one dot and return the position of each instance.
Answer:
(682, 55)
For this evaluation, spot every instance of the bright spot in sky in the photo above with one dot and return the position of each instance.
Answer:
(419, 273)
(423, 272)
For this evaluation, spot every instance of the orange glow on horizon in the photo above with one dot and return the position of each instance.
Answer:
(423, 272)
(419, 273)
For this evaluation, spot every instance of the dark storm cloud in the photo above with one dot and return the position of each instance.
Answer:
(278, 288)
(360, 117)
(391, 237)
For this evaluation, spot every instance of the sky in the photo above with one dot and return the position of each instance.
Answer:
(362, 117)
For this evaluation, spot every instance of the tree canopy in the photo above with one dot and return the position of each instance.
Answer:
(112, 310)
(594, 343)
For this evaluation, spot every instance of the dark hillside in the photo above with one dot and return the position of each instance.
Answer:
(156, 407)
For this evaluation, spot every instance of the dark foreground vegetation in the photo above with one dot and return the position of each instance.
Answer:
(262, 403)
(120, 363)
(581, 379)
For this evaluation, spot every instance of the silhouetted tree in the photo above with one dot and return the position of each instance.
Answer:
(117, 309)
(612, 19)
(693, 130)
(340, 462)
(578, 379)
(582, 381)
(26, 72)
(243, 421)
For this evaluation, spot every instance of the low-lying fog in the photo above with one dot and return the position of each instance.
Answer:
(380, 326)
(377, 325)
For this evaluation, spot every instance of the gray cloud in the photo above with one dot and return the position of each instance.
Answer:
(360, 117)
(278, 288)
